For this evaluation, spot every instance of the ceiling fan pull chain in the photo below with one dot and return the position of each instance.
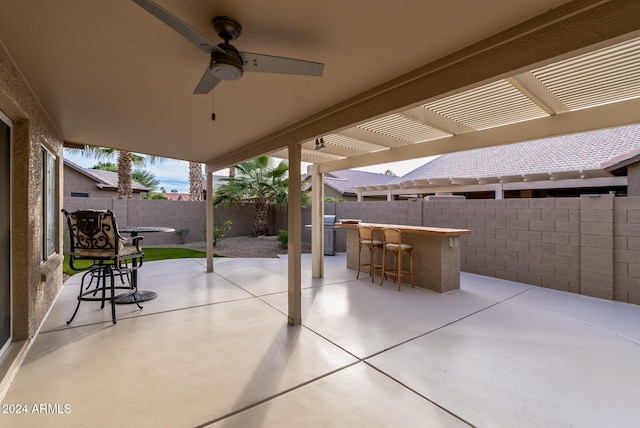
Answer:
(213, 105)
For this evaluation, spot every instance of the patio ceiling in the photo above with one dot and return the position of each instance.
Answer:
(399, 82)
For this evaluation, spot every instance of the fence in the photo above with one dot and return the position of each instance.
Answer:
(180, 215)
(588, 245)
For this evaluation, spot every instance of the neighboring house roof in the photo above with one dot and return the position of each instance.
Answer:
(570, 153)
(346, 181)
(103, 179)
(618, 164)
(173, 196)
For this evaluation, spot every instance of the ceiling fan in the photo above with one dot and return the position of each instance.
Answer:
(227, 63)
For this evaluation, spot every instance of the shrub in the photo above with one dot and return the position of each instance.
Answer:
(220, 229)
(283, 238)
(182, 235)
(156, 196)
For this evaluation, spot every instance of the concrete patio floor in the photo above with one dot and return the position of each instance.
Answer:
(215, 350)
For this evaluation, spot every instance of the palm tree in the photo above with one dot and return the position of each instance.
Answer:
(146, 178)
(195, 181)
(255, 182)
(142, 176)
(125, 174)
(126, 161)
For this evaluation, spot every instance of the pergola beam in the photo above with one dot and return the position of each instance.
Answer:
(606, 116)
(575, 27)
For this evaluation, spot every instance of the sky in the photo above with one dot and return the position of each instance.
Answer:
(173, 174)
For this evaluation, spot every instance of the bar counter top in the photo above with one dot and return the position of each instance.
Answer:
(424, 230)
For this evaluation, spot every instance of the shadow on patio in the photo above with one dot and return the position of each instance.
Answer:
(216, 349)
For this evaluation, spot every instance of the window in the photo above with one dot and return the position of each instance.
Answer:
(5, 235)
(79, 195)
(49, 208)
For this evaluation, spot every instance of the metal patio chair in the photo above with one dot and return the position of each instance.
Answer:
(94, 238)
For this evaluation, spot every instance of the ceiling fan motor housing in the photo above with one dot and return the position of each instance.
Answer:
(227, 66)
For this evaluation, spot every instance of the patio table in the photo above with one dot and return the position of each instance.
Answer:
(140, 296)
(436, 252)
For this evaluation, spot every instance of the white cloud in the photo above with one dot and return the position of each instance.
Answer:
(171, 173)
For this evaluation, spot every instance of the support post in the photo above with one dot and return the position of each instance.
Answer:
(210, 226)
(317, 223)
(295, 235)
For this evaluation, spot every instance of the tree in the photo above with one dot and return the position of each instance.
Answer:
(195, 181)
(142, 176)
(255, 182)
(389, 172)
(125, 162)
(146, 178)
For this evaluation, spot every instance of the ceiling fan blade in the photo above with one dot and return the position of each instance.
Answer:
(207, 82)
(276, 64)
(172, 21)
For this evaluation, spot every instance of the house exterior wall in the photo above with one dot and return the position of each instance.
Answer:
(330, 192)
(35, 284)
(633, 179)
(75, 181)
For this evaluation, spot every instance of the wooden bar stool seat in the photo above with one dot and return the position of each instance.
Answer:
(392, 241)
(365, 240)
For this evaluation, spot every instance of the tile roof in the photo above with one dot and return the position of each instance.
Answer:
(346, 181)
(104, 179)
(576, 152)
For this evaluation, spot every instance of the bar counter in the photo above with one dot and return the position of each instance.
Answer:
(436, 253)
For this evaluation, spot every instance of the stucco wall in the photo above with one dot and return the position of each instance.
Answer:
(77, 182)
(34, 284)
(633, 179)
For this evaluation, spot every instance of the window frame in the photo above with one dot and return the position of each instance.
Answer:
(49, 218)
(4, 347)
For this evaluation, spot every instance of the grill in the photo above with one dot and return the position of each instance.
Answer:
(330, 235)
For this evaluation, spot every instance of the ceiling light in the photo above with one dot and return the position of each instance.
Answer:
(226, 71)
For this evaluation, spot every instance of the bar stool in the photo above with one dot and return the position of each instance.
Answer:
(365, 239)
(392, 241)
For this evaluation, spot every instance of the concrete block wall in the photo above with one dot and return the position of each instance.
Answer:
(526, 240)
(588, 245)
(596, 246)
(131, 212)
(176, 214)
(626, 249)
(390, 212)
